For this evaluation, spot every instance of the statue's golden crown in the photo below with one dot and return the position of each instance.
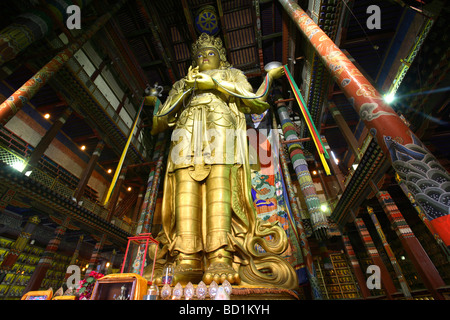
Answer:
(207, 41)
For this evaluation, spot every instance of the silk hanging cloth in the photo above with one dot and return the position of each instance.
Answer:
(323, 154)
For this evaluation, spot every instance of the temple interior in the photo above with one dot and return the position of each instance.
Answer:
(350, 159)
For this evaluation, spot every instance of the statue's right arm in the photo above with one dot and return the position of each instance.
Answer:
(166, 115)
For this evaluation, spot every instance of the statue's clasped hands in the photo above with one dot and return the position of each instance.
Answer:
(199, 80)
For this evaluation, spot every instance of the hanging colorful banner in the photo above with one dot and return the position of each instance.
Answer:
(323, 154)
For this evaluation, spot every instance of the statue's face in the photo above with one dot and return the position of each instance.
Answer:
(208, 59)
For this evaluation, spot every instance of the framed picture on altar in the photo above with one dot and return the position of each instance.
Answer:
(120, 286)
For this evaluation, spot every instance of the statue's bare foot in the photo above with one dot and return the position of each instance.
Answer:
(185, 273)
(219, 272)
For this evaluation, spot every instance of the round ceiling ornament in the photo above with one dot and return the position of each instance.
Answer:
(207, 21)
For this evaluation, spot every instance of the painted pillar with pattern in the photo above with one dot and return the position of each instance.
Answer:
(153, 180)
(397, 269)
(303, 240)
(151, 194)
(95, 255)
(422, 262)
(319, 221)
(75, 254)
(17, 247)
(424, 176)
(46, 259)
(386, 279)
(355, 266)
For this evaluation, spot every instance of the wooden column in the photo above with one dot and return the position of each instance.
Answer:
(365, 292)
(95, 255)
(344, 128)
(47, 139)
(397, 269)
(87, 172)
(139, 201)
(116, 193)
(46, 259)
(386, 279)
(75, 254)
(17, 247)
(337, 172)
(422, 262)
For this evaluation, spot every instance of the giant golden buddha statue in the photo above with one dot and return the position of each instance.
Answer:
(210, 230)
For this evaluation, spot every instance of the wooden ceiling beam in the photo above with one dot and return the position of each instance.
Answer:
(224, 28)
(160, 37)
(189, 20)
(256, 16)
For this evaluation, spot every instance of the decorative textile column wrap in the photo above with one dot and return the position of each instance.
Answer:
(386, 279)
(424, 266)
(424, 176)
(319, 221)
(355, 266)
(46, 259)
(24, 94)
(398, 271)
(303, 240)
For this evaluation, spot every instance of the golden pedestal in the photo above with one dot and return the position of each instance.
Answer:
(262, 293)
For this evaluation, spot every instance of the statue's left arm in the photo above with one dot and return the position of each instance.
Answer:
(241, 86)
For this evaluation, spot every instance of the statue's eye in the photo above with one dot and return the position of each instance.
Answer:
(199, 56)
(211, 54)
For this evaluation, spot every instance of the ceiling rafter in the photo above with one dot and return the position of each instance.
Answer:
(158, 36)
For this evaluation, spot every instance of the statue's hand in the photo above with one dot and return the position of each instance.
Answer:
(204, 81)
(190, 78)
(150, 101)
(276, 73)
